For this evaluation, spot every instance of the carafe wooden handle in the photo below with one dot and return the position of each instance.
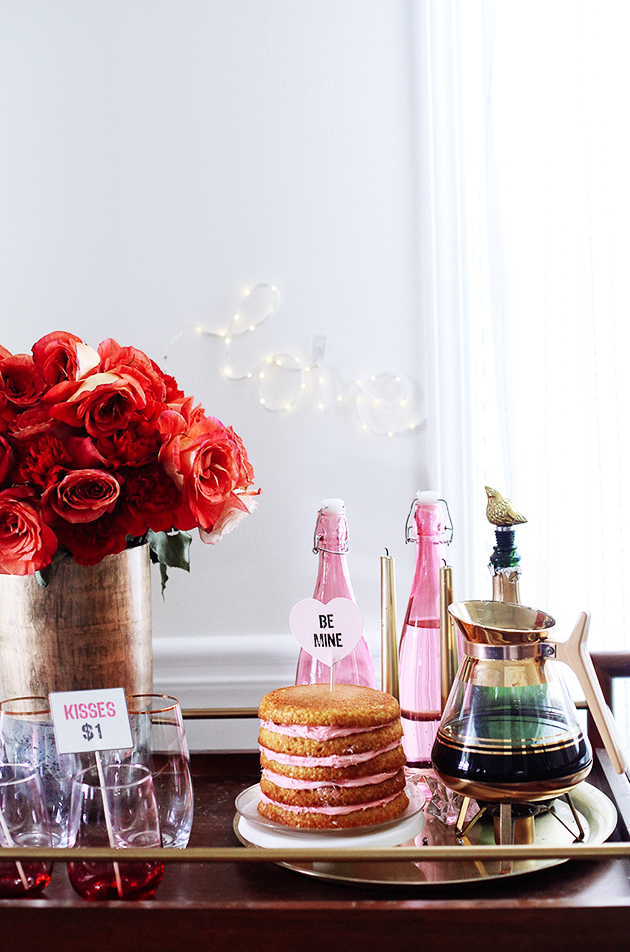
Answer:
(575, 653)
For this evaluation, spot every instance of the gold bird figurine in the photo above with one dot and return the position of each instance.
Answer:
(500, 511)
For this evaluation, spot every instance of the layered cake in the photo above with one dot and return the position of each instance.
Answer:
(331, 759)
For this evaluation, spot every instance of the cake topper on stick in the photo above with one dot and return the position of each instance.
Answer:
(328, 632)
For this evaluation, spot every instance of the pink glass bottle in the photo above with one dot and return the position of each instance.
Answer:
(333, 581)
(419, 658)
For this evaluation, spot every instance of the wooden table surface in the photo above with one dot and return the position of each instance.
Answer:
(576, 906)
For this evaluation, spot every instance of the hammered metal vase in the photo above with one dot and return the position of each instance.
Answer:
(89, 628)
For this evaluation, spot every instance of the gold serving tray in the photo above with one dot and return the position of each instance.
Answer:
(596, 811)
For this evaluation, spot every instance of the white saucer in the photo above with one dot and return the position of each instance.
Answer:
(254, 829)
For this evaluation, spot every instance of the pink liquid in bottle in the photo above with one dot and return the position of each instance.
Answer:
(419, 659)
(333, 581)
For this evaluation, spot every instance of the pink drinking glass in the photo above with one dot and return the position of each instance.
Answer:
(159, 742)
(121, 813)
(23, 822)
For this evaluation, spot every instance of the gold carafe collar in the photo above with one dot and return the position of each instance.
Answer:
(501, 623)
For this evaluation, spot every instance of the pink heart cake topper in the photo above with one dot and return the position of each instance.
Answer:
(328, 632)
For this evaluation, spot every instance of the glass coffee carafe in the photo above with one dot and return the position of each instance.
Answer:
(510, 731)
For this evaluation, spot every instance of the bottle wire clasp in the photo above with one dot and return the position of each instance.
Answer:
(318, 548)
(411, 536)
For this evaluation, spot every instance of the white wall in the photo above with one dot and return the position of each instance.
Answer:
(158, 159)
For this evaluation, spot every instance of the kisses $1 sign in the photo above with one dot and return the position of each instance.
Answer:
(90, 720)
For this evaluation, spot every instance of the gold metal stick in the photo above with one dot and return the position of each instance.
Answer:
(505, 823)
(461, 817)
(108, 820)
(389, 640)
(236, 854)
(448, 639)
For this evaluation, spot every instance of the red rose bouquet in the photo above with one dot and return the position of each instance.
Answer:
(100, 451)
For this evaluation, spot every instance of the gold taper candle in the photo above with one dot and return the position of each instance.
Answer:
(448, 640)
(389, 641)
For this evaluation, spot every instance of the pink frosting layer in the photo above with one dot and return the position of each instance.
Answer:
(315, 733)
(335, 760)
(291, 783)
(329, 811)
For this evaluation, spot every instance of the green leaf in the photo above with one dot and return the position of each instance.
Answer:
(46, 575)
(170, 549)
(134, 541)
(163, 576)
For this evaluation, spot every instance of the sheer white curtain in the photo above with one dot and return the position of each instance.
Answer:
(538, 96)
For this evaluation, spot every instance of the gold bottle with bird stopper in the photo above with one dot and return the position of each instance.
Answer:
(505, 560)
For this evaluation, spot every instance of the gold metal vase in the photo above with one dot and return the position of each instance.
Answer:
(89, 628)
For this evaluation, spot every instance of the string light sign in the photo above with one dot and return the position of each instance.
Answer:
(387, 403)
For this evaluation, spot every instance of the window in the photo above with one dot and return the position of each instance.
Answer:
(539, 167)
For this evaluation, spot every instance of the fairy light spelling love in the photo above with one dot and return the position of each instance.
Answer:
(384, 394)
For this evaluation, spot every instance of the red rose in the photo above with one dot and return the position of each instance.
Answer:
(174, 396)
(29, 423)
(132, 362)
(102, 403)
(151, 500)
(83, 452)
(232, 513)
(4, 352)
(239, 504)
(6, 460)
(89, 542)
(137, 445)
(208, 462)
(8, 413)
(63, 356)
(27, 544)
(82, 496)
(44, 458)
(20, 381)
(246, 477)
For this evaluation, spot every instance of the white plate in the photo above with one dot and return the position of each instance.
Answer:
(597, 813)
(257, 830)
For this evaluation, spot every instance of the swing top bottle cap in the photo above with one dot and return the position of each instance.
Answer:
(332, 505)
(427, 498)
(331, 530)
